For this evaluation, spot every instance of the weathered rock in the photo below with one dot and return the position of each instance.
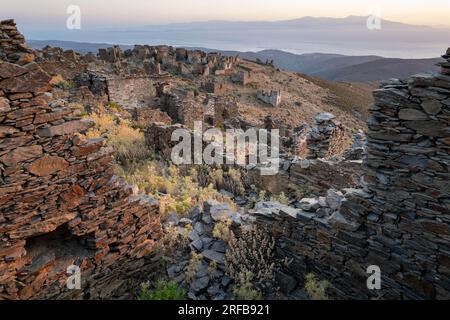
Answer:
(21, 154)
(4, 105)
(309, 204)
(211, 255)
(65, 128)
(7, 130)
(36, 81)
(324, 116)
(334, 199)
(200, 284)
(431, 128)
(48, 165)
(10, 70)
(432, 107)
(412, 114)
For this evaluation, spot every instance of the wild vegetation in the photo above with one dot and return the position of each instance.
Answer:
(251, 262)
(165, 290)
(136, 162)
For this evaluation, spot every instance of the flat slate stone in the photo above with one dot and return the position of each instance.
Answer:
(211, 255)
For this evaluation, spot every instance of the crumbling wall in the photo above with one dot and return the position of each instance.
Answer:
(314, 176)
(272, 97)
(131, 91)
(399, 220)
(319, 138)
(306, 177)
(60, 203)
(242, 77)
(217, 88)
(12, 44)
(182, 106)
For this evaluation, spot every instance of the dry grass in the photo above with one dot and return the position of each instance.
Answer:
(136, 163)
(127, 142)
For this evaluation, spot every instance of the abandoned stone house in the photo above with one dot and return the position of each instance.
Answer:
(242, 77)
(272, 97)
(214, 87)
(181, 54)
(111, 55)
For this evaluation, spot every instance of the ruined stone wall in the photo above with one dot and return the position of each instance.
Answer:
(60, 203)
(399, 221)
(319, 138)
(313, 176)
(131, 92)
(217, 88)
(12, 44)
(308, 177)
(272, 97)
(242, 77)
(182, 107)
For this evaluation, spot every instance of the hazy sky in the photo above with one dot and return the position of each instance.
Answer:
(43, 14)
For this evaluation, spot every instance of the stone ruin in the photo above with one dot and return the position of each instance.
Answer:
(181, 105)
(398, 219)
(272, 97)
(60, 203)
(215, 87)
(131, 91)
(242, 77)
(111, 55)
(390, 209)
(320, 137)
(12, 44)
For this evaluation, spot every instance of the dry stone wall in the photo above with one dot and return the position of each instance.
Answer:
(131, 92)
(399, 220)
(60, 203)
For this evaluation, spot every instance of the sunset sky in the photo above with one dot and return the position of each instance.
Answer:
(47, 14)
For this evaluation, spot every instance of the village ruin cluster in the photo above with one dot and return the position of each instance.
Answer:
(346, 198)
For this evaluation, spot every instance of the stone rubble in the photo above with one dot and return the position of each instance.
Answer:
(206, 284)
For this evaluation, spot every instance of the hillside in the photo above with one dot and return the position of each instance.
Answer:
(379, 69)
(92, 186)
(336, 67)
(363, 69)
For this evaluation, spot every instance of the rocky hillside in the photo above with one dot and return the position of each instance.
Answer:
(335, 67)
(87, 181)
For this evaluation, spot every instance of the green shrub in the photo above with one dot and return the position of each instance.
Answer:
(281, 199)
(114, 106)
(252, 85)
(315, 289)
(191, 271)
(65, 85)
(164, 291)
(245, 289)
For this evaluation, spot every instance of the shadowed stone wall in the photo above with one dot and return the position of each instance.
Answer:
(399, 220)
